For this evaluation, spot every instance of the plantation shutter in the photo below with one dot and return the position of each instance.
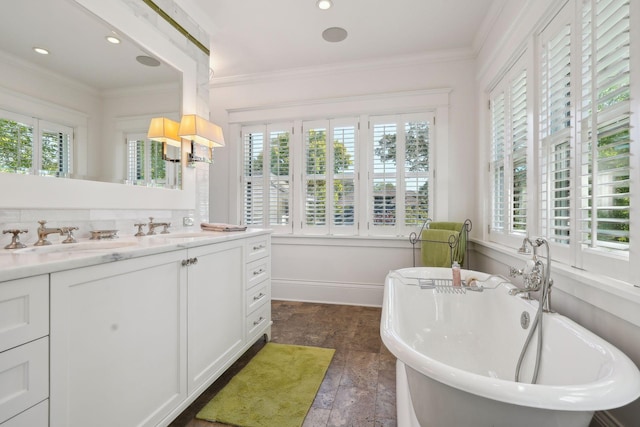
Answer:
(315, 175)
(135, 159)
(253, 175)
(605, 126)
(329, 179)
(555, 130)
(400, 173)
(416, 172)
(279, 194)
(343, 148)
(383, 175)
(518, 107)
(57, 146)
(497, 162)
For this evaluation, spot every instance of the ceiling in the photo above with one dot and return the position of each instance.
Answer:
(248, 37)
(259, 36)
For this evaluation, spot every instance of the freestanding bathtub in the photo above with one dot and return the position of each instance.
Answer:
(457, 356)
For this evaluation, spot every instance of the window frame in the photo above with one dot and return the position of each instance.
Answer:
(399, 175)
(265, 179)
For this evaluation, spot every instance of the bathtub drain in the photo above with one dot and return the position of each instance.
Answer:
(524, 320)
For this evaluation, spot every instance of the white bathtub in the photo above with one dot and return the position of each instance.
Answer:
(457, 356)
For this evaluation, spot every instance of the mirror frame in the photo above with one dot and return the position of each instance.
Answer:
(38, 192)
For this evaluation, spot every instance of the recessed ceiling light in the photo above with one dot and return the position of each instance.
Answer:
(324, 4)
(41, 50)
(334, 34)
(113, 39)
(148, 61)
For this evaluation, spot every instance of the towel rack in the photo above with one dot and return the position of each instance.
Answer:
(453, 240)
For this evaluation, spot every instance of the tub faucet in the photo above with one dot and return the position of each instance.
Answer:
(535, 276)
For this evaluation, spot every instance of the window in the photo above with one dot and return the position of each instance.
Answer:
(400, 174)
(146, 166)
(32, 146)
(267, 175)
(336, 177)
(330, 176)
(508, 163)
(583, 173)
(556, 148)
(605, 126)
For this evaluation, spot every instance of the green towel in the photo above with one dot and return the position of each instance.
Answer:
(435, 247)
(454, 226)
(458, 251)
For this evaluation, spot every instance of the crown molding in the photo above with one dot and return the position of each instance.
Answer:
(346, 67)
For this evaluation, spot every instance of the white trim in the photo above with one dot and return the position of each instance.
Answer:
(387, 242)
(366, 66)
(366, 294)
(394, 103)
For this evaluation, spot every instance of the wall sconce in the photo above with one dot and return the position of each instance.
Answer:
(166, 131)
(203, 132)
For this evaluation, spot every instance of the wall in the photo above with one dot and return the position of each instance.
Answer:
(604, 306)
(333, 269)
(25, 214)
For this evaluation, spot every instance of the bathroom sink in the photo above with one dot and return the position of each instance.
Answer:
(192, 235)
(97, 245)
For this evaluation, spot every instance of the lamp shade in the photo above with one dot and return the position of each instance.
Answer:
(164, 130)
(201, 131)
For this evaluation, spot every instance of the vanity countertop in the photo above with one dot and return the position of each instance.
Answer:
(31, 261)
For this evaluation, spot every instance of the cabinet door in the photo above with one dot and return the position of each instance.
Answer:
(118, 342)
(216, 311)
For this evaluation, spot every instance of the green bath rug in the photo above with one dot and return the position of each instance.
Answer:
(276, 388)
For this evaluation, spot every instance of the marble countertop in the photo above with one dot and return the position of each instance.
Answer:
(31, 261)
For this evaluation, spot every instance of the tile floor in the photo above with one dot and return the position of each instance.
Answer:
(359, 387)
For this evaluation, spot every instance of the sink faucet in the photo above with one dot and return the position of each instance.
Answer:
(152, 227)
(43, 232)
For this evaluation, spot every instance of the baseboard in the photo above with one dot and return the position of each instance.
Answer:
(367, 294)
(604, 419)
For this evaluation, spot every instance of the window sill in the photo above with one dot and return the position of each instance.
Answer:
(398, 242)
(622, 299)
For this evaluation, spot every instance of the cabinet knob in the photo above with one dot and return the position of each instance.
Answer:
(189, 261)
(258, 297)
(257, 322)
(257, 248)
(257, 272)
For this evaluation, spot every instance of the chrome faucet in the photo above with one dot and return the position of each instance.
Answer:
(152, 227)
(535, 276)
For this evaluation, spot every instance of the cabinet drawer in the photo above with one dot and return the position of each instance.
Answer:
(24, 377)
(38, 416)
(257, 296)
(257, 271)
(258, 321)
(257, 248)
(24, 311)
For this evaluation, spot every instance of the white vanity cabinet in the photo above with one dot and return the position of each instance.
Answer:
(24, 351)
(258, 286)
(134, 342)
(119, 342)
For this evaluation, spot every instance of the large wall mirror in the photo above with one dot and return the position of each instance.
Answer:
(80, 107)
(99, 94)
